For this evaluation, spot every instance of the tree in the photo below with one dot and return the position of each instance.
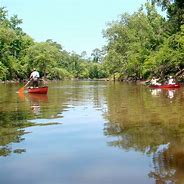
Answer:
(131, 40)
(55, 44)
(97, 55)
(14, 22)
(42, 56)
(175, 12)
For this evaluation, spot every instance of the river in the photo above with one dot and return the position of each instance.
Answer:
(92, 132)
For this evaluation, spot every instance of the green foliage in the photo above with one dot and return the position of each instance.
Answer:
(175, 12)
(97, 71)
(138, 46)
(169, 58)
(97, 55)
(83, 71)
(58, 73)
(3, 72)
(19, 54)
(42, 56)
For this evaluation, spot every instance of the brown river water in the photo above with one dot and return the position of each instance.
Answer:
(92, 132)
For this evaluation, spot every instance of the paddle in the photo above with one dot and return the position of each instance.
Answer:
(22, 88)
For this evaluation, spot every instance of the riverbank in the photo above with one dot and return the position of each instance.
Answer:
(76, 79)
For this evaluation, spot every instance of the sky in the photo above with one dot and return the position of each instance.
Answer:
(75, 24)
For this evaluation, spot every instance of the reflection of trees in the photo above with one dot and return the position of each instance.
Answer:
(146, 138)
(20, 108)
(169, 165)
(10, 135)
(12, 128)
(11, 131)
(16, 109)
(140, 121)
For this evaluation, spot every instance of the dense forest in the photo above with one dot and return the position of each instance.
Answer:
(139, 45)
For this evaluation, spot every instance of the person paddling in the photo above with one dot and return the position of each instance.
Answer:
(34, 77)
(171, 80)
(154, 81)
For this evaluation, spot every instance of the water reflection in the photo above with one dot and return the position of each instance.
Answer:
(138, 121)
(169, 165)
(167, 92)
(35, 100)
(16, 109)
(127, 117)
(170, 93)
(12, 126)
(155, 92)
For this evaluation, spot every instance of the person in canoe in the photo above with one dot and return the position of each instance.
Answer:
(154, 81)
(34, 78)
(171, 80)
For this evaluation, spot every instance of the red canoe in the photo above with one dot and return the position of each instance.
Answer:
(166, 86)
(38, 90)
